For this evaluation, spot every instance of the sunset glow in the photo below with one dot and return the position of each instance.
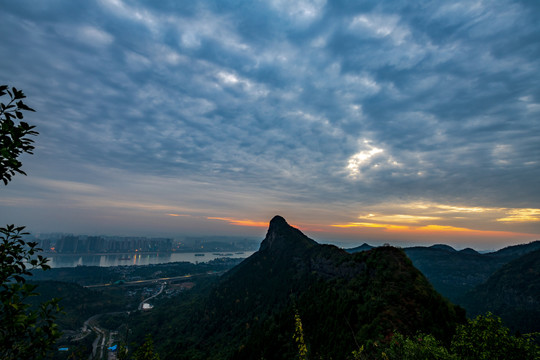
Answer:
(435, 230)
(237, 222)
(522, 215)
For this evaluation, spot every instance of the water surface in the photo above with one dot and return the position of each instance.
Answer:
(72, 260)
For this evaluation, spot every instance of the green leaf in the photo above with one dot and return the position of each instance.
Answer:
(23, 106)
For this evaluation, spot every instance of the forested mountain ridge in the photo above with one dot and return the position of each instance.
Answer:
(504, 282)
(512, 292)
(514, 251)
(453, 273)
(341, 299)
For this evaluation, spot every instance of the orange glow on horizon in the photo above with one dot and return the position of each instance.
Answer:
(398, 218)
(425, 219)
(371, 225)
(238, 222)
(430, 229)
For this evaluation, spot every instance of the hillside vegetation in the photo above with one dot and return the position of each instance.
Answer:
(512, 292)
(341, 299)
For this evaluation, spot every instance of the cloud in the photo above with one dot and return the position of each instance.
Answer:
(522, 215)
(322, 108)
(303, 11)
(379, 26)
(399, 218)
(363, 159)
(242, 222)
(94, 36)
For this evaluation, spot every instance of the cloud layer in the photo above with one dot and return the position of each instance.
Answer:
(322, 111)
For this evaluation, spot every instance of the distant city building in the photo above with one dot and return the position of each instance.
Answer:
(82, 244)
(85, 244)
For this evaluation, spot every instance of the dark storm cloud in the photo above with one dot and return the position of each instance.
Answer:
(315, 102)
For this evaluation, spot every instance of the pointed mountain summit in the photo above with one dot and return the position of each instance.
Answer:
(342, 299)
(363, 247)
(282, 237)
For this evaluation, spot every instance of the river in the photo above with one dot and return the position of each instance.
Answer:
(72, 260)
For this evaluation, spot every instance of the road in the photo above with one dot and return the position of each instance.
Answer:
(149, 281)
(153, 296)
(100, 338)
(104, 337)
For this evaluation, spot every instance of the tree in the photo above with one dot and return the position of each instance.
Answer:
(482, 338)
(299, 337)
(25, 332)
(485, 337)
(14, 138)
(146, 350)
(421, 346)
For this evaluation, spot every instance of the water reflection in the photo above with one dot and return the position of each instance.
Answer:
(66, 260)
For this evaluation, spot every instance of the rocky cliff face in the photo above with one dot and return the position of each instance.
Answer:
(283, 237)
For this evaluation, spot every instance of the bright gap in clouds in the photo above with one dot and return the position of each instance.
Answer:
(521, 215)
(362, 159)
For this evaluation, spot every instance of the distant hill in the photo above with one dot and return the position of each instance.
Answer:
(469, 251)
(504, 282)
(442, 247)
(363, 247)
(454, 273)
(512, 292)
(515, 251)
(342, 299)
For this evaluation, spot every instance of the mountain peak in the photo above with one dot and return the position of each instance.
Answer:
(363, 247)
(282, 236)
(278, 221)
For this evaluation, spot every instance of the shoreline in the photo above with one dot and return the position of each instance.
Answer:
(141, 253)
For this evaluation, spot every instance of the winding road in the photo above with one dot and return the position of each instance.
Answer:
(153, 296)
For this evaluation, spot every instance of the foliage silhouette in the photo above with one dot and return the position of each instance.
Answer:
(482, 338)
(14, 138)
(485, 337)
(146, 350)
(25, 333)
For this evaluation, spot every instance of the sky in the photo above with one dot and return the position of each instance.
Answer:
(407, 122)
